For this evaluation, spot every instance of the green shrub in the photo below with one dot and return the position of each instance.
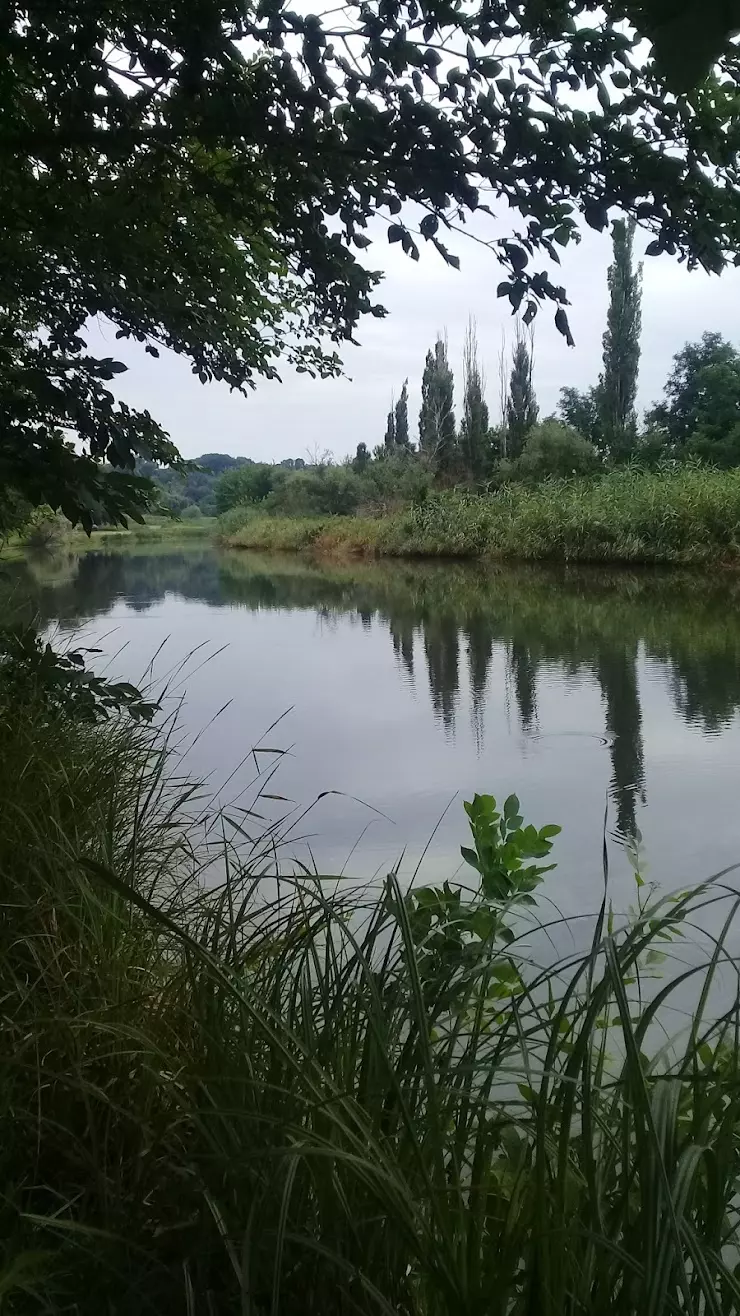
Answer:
(45, 530)
(320, 491)
(395, 480)
(246, 484)
(555, 449)
(723, 452)
(248, 527)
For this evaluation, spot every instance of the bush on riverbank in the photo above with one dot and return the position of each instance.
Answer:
(688, 516)
(215, 1101)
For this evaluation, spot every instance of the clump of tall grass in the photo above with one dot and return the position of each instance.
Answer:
(690, 515)
(687, 516)
(240, 1098)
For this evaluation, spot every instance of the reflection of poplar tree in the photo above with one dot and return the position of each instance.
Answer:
(480, 652)
(617, 675)
(705, 688)
(402, 634)
(441, 648)
(524, 673)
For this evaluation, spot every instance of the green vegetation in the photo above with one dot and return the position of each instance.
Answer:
(325, 489)
(597, 429)
(687, 516)
(555, 449)
(521, 410)
(617, 389)
(217, 1096)
(210, 484)
(598, 435)
(152, 529)
(474, 427)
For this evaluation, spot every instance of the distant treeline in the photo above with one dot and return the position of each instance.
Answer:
(193, 493)
(697, 421)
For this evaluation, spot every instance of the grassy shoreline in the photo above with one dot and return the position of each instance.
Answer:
(67, 539)
(688, 517)
(212, 1099)
(151, 530)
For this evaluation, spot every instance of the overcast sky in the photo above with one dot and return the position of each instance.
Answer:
(294, 417)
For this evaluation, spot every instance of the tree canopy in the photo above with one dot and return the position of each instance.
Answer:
(702, 394)
(581, 411)
(204, 176)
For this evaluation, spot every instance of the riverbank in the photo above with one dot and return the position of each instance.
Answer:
(688, 517)
(151, 531)
(62, 538)
(331, 1099)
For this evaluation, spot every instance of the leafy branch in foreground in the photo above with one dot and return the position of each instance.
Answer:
(204, 179)
(31, 672)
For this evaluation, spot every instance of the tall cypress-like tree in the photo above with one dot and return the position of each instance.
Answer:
(402, 417)
(474, 428)
(390, 429)
(617, 387)
(437, 435)
(521, 408)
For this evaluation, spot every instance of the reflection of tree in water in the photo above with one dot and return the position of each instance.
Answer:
(479, 635)
(441, 646)
(617, 675)
(402, 634)
(139, 579)
(524, 672)
(705, 689)
(583, 622)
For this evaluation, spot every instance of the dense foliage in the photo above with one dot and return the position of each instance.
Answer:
(554, 449)
(193, 490)
(702, 399)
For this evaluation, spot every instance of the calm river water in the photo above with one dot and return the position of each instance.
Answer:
(408, 687)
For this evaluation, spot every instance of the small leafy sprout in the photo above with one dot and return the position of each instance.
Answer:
(454, 928)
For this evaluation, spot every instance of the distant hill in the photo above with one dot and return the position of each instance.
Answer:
(218, 462)
(192, 494)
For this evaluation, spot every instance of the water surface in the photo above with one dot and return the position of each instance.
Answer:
(410, 686)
